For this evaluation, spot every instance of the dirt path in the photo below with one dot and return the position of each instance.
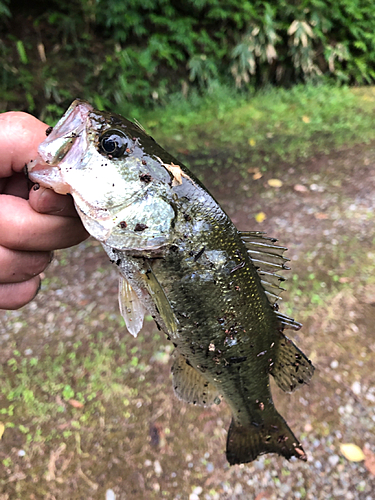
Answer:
(90, 412)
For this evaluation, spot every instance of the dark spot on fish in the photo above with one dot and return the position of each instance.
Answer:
(199, 254)
(192, 349)
(140, 227)
(237, 288)
(205, 384)
(236, 359)
(300, 381)
(36, 187)
(221, 320)
(118, 262)
(239, 266)
(187, 217)
(276, 307)
(282, 439)
(144, 162)
(157, 325)
(188, 362)
(268, 439)
(191, 253)
(173, 248)
(49, 130)
(123, 224)
(145, 177)
(115, 120)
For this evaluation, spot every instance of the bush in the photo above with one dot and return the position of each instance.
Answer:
(122, 54)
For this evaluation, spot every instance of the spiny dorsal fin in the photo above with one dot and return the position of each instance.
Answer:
(268, 258)
(288, 323)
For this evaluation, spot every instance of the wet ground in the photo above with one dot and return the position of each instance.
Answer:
(89, 412)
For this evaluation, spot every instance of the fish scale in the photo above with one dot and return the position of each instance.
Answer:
(210, 288)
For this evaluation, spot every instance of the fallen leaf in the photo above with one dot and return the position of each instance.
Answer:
(260, 217)
(257, 176)
(276, 183)
(252, 142)
(320, 215)
(2, 429)
(75, 403)
(176, 172)
(369, 460)
(305, 119)
(300, 188)
(352, 452)
(344, 279)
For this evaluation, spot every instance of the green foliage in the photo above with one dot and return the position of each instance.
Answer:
(125, 54)
(272, 126)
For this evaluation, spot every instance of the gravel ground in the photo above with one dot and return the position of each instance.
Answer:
(142, 442)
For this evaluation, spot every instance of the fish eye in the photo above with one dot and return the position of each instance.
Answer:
(113, 143)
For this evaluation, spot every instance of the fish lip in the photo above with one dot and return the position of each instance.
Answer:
(68, 135)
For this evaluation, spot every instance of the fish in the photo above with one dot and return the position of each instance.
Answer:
(212, 289)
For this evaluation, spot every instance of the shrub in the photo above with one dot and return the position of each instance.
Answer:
(138, 52)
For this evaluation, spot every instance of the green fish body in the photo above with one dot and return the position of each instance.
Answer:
(209, 287)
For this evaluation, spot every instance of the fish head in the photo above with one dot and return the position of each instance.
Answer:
(120, 186)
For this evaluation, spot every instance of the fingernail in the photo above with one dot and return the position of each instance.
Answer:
(36, 187)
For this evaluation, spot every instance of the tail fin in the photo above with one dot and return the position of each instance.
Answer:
(246, 443)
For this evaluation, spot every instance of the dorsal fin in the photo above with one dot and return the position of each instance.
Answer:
(268, 259)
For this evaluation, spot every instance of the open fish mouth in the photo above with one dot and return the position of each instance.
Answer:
(65, 145)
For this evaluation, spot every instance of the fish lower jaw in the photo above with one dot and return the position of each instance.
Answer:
(47, 176)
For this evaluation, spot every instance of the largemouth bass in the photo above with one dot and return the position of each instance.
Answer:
(211, 288)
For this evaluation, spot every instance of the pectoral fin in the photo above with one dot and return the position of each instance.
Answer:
(161, 302)
(131, 308)
(190, 386)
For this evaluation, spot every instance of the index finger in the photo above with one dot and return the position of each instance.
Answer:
(20, 136)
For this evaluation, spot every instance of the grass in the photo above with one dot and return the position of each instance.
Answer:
(269, 126)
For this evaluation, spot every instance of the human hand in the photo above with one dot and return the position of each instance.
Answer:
(32, 224)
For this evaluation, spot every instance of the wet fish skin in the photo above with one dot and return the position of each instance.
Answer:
(188, 266)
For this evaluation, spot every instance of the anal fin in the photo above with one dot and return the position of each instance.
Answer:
(190, 386)
(291, 367)
(246, 442)
(131, 308)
